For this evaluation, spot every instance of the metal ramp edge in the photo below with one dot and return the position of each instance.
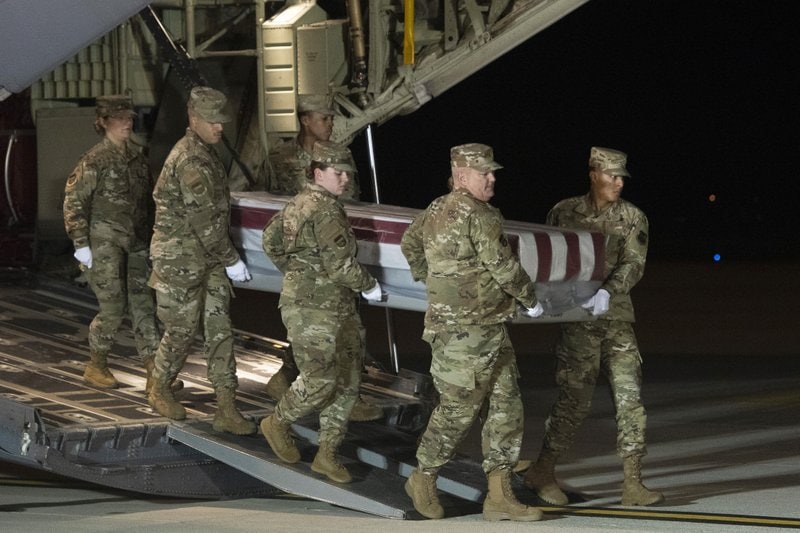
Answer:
(461, 477)
(134, 457)
(373, 490)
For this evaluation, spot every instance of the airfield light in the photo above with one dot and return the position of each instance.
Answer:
(717, 258)
(712, 198)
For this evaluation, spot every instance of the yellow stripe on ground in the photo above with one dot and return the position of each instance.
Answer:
(711, 518)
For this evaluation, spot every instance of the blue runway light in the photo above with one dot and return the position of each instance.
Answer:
(717, 257)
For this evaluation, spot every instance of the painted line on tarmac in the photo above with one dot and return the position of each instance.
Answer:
(676, 516)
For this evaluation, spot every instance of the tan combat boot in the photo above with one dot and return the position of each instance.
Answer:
(541, 479)
(633, 491)
(97, 373)
(163, 401)
(421, 488)
(326, 462)
(522, 466)
(365, 412)
(280, 382)
(149, 363)
(276, 431)
(228, 418)
(502, 504)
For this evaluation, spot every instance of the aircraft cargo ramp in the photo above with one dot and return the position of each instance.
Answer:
(51, 420)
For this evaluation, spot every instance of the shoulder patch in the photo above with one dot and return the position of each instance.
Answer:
(503, 240)
(190, 173)
(340, 241)
(642, 237)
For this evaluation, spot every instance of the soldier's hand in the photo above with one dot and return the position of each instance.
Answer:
(598, 304)
(238, 271)
(375, 294)
(84, 255)
(533, 312)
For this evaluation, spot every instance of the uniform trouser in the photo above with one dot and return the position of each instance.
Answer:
(583, 349)
(469, 366)
(291, 365)
(181, 310)
(119, 281)
(328, 350)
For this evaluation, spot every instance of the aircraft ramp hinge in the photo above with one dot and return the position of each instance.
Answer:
(20, 429)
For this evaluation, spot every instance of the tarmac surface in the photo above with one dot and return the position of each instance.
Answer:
(722, 390)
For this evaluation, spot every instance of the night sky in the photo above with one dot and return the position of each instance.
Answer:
(703, 96)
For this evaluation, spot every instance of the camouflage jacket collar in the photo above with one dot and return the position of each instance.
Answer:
(123, 151)
(194, 138)
(467, 194)
(586, 207)
(320, 189)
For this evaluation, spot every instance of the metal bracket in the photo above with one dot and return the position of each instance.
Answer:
(21, 432)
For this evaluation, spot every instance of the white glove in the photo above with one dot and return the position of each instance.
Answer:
(374, 294)
(84, 255)
(238, 271)
(598, 304)
(534, 311)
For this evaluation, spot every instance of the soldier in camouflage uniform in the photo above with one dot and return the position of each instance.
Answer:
(475, 284)
(608, 342)
(193, 257)
(108, 215)
(312, 244)
(289, 174)
(290, 162)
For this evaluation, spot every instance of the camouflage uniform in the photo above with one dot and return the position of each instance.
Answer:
(289, 172)
(190, 249)
(108, 208)
(289, 164)
(312, 244)
(608, 342)
(474, 284)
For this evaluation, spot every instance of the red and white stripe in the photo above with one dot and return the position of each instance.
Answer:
(547, 253)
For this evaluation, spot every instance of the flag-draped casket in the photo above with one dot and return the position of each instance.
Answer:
(566, 265)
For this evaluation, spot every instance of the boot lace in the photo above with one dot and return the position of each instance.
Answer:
(430, 487)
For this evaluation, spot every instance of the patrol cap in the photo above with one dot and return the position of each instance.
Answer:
(115, 105)
(209, 104)
(474, 155)
(315, 102)
(333, 154)
(608, 160)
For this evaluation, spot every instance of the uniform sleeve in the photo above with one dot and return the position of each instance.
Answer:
(272, 242)
(78, 194)
(552, 218)
(338, 251)
(633, 255)
(287, 172)
(494, 252)
(413, 249)
(208, 223)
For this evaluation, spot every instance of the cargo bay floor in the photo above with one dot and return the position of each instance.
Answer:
(723, 446)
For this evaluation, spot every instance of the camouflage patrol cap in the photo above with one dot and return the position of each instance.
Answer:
(315, 102)
(115, 105)
(474, 155)
(333, 155)
(209, 104)
(609, 161)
